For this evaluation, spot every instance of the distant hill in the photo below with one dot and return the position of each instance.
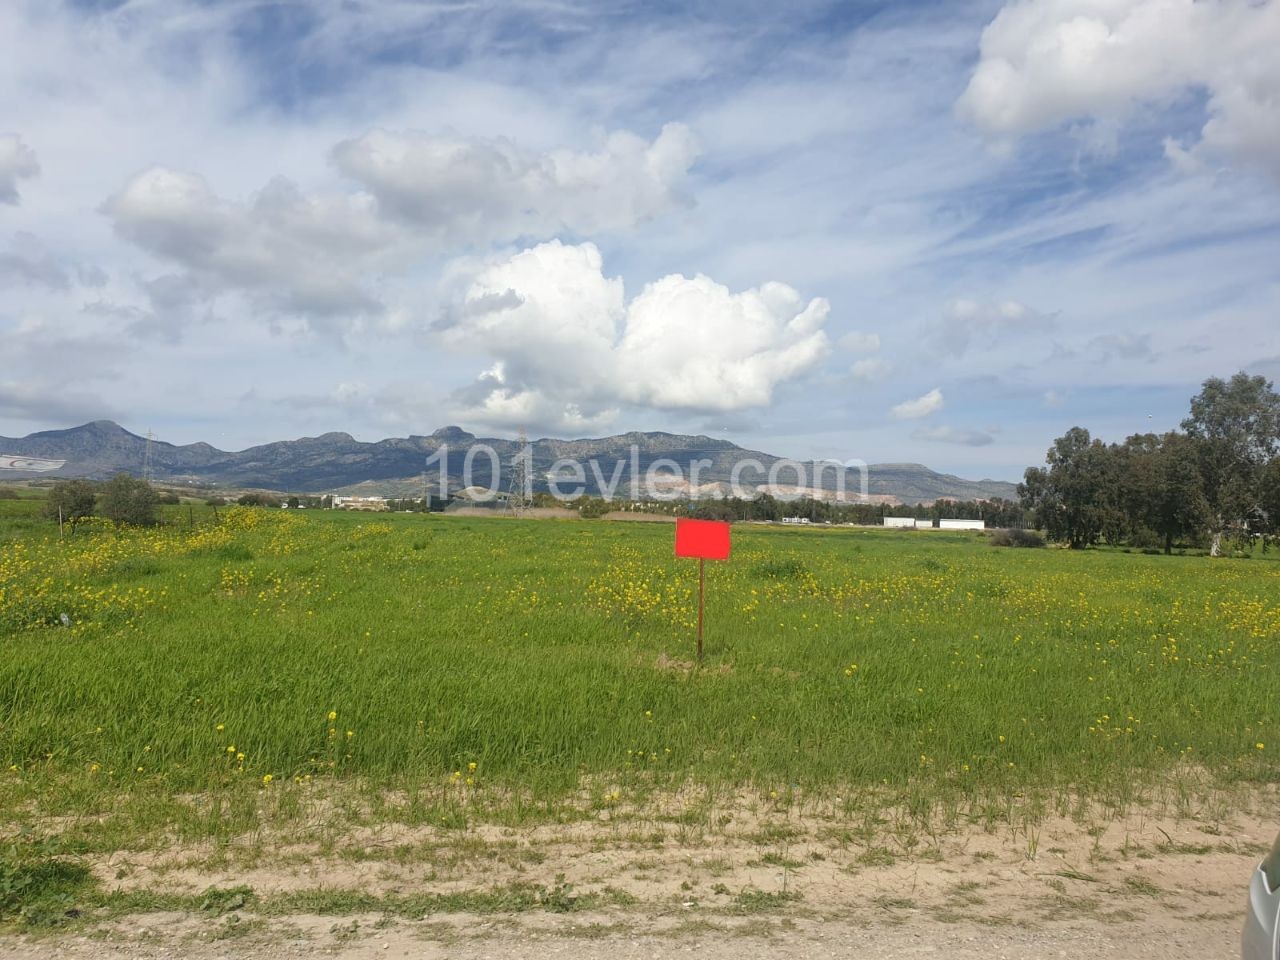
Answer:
(337, 462)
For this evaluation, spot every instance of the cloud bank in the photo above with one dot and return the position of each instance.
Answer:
(1046, 62)
(471, 189)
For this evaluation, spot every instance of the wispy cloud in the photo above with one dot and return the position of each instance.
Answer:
(922, 406)
(965, 438)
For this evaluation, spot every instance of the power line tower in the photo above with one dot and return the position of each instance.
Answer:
(146, 459)
(520, 487)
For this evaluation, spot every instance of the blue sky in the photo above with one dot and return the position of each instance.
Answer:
(934, 232)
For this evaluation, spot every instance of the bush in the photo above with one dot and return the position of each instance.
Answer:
(128, 501)
(1016, 538)
(593, 508)
(1144, 538)
(258, 500)
(215, 502)
(8, 494)
(71, 501)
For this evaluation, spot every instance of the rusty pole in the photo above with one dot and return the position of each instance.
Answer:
(702, 566)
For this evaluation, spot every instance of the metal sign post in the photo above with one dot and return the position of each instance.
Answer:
(705, 540)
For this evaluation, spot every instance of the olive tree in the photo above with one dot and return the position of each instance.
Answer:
(70, 501)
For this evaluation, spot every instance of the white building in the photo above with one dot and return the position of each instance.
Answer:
(962, 524)
(899, 521)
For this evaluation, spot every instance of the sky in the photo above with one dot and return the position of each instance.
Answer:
(936, 232)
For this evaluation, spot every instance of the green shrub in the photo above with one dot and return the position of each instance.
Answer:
(1016, 538)
(128, 501)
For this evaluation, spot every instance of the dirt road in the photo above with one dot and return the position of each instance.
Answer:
(1158, 935)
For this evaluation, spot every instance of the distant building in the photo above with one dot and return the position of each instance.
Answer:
(962, 524)
(360, 503)
(907, 522)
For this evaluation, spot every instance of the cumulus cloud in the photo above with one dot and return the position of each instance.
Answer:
(476, 190)
(691, 344)
(1045, 62)
(966, 438)
(923, 406)
(569, 350)
(549, 317)
(17, 162)
(301, 253)
(966, 323)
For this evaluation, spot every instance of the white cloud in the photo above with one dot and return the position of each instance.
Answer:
(691, 344)
(470, 189)
(320, 255)
(17, 162)
(871, 369)
(550, 318)
(1045, 62)
(922, 406)
(964, 438)
(569, 350)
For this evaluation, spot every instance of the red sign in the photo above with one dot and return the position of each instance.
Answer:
(706, 539)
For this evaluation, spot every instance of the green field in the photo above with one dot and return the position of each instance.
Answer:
(525, 669)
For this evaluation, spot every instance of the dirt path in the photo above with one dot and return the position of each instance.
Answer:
(760, 884)
(1155, 936)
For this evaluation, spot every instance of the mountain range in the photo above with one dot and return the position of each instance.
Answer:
(401, 466)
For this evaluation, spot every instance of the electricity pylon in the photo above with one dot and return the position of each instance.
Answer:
(520, 487)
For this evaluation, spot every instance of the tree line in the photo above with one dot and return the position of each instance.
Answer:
(1214, 481)
(122, 500)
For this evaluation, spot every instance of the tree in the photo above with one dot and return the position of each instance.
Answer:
(1269, 499)
(128, 500)
(1163, 490)
(1074, 499)
(70, 501)
(1237, 424)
